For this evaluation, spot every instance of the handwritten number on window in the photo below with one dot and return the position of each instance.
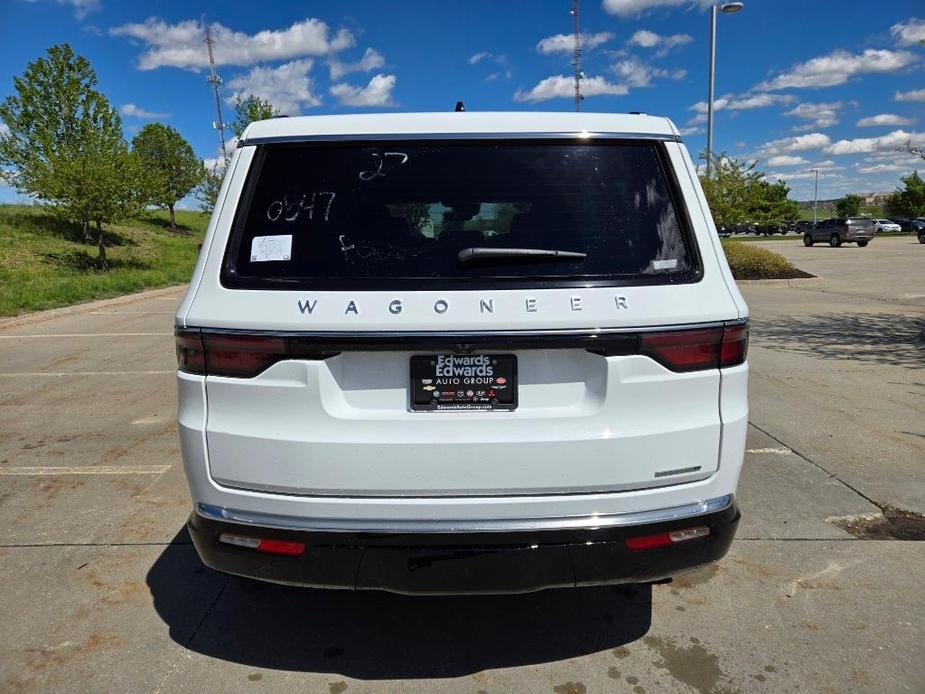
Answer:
(289, 211)
(382, 162)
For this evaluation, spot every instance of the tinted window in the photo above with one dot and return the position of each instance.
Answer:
(368, 216)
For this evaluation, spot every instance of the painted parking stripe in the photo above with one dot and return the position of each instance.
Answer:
(86, 470)
(774, 451)
(62, 374)
(69, 335)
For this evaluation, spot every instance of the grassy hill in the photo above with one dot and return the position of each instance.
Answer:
(46, 263)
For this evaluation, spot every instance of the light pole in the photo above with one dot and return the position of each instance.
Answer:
(815, 193)
(725, 8)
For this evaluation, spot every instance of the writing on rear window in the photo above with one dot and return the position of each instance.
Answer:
(366, 216)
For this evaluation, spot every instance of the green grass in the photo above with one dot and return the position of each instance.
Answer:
(749, 262)
(45, 262)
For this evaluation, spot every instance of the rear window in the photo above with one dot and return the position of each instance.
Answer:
(379, 216)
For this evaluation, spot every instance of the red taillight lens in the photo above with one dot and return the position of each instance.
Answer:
(241, 356)
(693, 350)
(191, 356)
(683, 350)
(673, 537)
(735, 345)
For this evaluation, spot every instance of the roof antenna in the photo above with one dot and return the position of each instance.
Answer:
(460, 107)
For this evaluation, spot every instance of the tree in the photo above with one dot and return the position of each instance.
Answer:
(738, 194)
(249, 109)
(848, 206)
(910, 201)
(207, 190)
(171, 168)
(65, 144)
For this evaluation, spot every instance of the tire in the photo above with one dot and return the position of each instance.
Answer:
(835, 241)
(922, 237)
(807, 240)
(862, 244)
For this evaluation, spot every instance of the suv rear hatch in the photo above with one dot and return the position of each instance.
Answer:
(594, 387)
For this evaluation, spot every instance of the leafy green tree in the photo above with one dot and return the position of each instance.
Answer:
(910, 201)
(65, 144)
(739, 194)
(249, 109)
(848, 206)
(171, 168)
(207, 190)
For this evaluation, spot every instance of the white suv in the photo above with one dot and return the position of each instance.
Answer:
(462, 352)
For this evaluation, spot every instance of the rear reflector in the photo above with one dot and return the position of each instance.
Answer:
(666, 539)
(284, 547)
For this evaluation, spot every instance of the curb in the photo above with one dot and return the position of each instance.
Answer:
(85, 307)
(795, 282)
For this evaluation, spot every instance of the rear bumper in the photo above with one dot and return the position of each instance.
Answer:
(466, 562)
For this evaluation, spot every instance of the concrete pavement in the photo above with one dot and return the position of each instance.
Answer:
(103, 592)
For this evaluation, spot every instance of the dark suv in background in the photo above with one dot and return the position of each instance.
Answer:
(837, 231)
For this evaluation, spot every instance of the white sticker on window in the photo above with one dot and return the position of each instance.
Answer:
(264, 248)
(665, 264)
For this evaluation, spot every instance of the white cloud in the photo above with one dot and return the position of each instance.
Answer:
(818, 115)
(909, 33)
(626, 8)
(565, 43)
(649, 39)
(377, 93)
(741, 102)
(371, 60)
(837, 67)
(880, 168)
(799, 143)
(181, 44)
(560, 86)
(499, 59)
(914, 95)
(884, 119)
(863, 145)
(636, 73)
(133, 111)
(82, 7)
(787, 160)
(693, 130)
(476, 57)
(288, 87)
(799, 175)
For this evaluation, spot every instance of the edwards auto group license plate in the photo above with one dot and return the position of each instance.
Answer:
(441, 382)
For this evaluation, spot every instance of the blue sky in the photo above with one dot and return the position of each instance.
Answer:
(834, 84)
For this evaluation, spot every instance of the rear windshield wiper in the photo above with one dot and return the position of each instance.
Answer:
(472, 255)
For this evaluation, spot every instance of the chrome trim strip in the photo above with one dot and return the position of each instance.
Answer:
(416, 526)
(463, 334)
(391, 137)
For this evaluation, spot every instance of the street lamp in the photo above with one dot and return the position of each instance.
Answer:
(815, 193)
(725, 8)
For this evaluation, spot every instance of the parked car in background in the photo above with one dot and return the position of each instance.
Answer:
(883, 225)
(905, 223)
(841, 230)
(803, 226)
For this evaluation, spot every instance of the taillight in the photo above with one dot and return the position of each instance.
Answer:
(241, 356)
(694, 350)
(191, 357)
(683, 350)
(735, 345)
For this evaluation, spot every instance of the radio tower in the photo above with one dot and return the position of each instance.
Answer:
(216, 82)
(576, 60)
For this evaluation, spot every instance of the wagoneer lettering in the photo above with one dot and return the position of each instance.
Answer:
(441, 359)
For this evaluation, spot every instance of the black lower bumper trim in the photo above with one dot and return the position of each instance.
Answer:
(465, 563)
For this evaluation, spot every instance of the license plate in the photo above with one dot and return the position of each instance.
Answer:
(454, 382)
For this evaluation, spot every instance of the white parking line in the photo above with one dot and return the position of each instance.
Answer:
(17, 337)
(61, 374)
(775, 451)
(87, 470)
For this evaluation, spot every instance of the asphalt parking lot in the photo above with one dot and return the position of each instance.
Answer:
(102, 590)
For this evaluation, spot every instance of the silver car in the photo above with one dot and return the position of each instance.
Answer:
(859, 230)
